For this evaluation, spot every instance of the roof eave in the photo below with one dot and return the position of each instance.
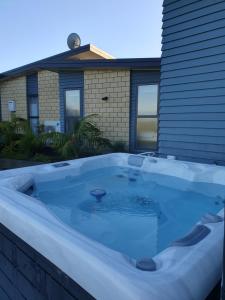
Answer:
(62, 65)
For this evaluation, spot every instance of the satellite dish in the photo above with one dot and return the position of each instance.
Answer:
(73, 41)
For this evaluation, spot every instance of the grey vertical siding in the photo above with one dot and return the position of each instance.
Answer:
(32, 84)
(138, 78)
(69, 80)
(192, 92)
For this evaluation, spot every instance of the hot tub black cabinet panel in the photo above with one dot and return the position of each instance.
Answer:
(26, 275)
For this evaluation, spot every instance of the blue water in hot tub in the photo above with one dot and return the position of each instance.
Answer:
(141, 212)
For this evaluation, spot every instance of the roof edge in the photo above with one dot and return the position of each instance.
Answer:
(101, 52)
(57, 65)
(64, 54)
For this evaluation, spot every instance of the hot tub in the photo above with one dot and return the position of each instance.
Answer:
(122, 226)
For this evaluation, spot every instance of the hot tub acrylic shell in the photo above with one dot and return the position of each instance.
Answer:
(182, 272)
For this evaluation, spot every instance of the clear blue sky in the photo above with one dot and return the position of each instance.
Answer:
(35, 29)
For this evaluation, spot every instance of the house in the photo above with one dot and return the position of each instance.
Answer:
(86, 80)
(192, 92)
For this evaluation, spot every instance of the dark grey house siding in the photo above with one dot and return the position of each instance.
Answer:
(192, 92)
(69, 80)
(32, 84)
(138, 78)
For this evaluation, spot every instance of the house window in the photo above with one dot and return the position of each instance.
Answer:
(33, 113)
(147, 117)
(72, 108)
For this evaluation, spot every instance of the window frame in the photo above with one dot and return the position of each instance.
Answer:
(151, 116)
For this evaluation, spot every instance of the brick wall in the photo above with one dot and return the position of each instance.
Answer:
(14, 89)
(48, 93)
(26, 275)
(114, 113)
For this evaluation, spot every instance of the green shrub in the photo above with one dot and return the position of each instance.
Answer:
(17, 141)
(119, 146)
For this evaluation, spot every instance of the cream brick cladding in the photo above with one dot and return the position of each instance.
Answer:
(14, 89)
(114, 113)
(48, 95)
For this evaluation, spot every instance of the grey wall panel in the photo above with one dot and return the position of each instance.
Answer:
(193, 59)
(188, 72)
(204, 77)
(194, 101)
(182, 109)
(193, 116)
(171, 5)
(195, 43)
(208, 132)
(194, 24)
(32, 84)
(193, 32)
(187, 7)
(192, 124)
(190, 94)
(194, 13)
(180, 147)
(200, 85)
(212, 59)
(192, 90)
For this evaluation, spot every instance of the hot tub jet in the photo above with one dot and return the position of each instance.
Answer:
(98, 194)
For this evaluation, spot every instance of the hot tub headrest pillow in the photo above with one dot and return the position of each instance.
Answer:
(19, 183)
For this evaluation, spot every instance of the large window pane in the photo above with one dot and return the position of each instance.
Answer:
(146, 133)
(33, 107)
(73, 103)
(147, 100)
(34, 123)
(72, 108)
